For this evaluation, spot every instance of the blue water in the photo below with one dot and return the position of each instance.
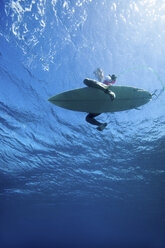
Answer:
(63, 183)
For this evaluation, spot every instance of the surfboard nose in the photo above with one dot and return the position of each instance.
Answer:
(51, 99)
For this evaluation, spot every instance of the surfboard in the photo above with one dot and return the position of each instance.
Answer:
(94, 100)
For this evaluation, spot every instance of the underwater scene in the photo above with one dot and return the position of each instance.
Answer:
(89, 169)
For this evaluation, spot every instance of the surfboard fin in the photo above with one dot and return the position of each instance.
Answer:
(137, 108)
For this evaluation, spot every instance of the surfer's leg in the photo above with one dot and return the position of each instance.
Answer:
(90, 119)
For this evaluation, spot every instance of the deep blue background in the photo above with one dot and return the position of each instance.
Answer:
(63, 183)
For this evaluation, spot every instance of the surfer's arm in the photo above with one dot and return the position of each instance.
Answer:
(95, 84)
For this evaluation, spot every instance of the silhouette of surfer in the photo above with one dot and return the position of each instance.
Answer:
(108, 80)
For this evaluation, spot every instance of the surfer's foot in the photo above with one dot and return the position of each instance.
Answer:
(101, 127)
(110, 93)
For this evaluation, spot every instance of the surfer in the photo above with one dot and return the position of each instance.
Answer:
(108, 80)
(99, 74)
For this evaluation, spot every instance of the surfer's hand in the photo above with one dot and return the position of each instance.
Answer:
(112, 95)
(109, 92)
